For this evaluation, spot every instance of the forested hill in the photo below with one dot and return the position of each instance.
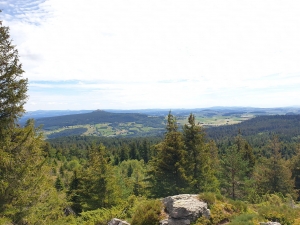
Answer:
(283, 125)
(99, 116)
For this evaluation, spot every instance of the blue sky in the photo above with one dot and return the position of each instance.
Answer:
(137, 54)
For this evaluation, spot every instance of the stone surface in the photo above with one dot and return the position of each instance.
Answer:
(184, 209)
(116, 221)
(269, 223)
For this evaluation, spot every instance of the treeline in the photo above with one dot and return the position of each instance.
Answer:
(120, 148)
(68, 132)
(285, 126)
(258, 131)
(99, 116)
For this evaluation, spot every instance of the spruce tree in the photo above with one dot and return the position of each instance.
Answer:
(202, 158)
(234, 169)
(246, 150)
(27, 193)
(168, 168)
(13, 86)
(95, 185)
(273, 175)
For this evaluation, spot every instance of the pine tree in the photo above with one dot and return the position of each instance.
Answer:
(202, 158)
(244, 147)
(273, 175)
(26, 189)
(27, 193)
(95, 186)
(168, 168)
(234, 169)
(12, 85)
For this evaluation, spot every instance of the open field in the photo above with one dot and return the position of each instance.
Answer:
(216, 120)
(106, 130)
(136, 129)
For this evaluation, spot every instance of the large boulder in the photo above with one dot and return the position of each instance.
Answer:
(116, 221)
(184, 209)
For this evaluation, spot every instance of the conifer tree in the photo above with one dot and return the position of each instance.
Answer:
(234, 169)
(26, 189)
(244, 147)
(95, 186)
(27, 193)
(273, 175)
(168, 168)
(13, 86)
(202, 158)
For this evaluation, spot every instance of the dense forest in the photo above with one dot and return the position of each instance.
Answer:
(244, 176)
(99, 116)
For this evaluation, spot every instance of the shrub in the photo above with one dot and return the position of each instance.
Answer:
(282, 214)
(147, 213)
(245, 219)
(100, 216)
(208, 197)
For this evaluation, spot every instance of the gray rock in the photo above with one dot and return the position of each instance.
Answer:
(116, 221)
(184, 209)
(269, 223)
(172, 221)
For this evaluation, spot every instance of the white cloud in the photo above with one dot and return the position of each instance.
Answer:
(131, 47)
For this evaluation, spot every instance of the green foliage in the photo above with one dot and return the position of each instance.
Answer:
(222, 209)
(245, 219)
(131, 177)
(167, 174)
(202, 158)
(59, 184)
(115, 120)
(100, 216)
(208, 197)
(13, 87)
(95, 185)
(234, 169)
(283, 214)
(147, 212)
(247, 153)
(68, 132)
(26, 189)
(273, 175)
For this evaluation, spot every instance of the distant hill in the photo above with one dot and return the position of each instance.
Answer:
(97, 117)
(149, 122)
(49, 113)
(282, 125)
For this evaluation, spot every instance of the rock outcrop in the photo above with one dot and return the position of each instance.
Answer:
(116, 221)
(183, 209)
(269, 223)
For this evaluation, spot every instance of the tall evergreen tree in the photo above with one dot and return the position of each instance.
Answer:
(27, 193)
(168, 168)
(273, 175)
(245, 149)
(234, 169)
(26, 188)
(12, 85)
(202, 158)
(95, 185)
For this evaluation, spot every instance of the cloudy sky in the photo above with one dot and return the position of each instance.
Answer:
(137, 54)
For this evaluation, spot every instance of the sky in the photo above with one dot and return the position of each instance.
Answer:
(138, 54)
